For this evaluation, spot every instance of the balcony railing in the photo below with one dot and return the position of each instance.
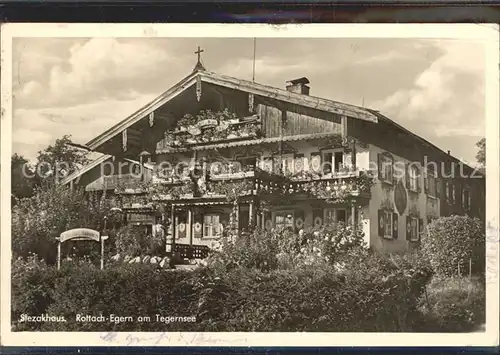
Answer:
(232, 180)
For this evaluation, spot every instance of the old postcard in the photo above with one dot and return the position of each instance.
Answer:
(249, 185)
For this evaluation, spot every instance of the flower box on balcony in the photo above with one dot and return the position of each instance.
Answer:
(209, 122)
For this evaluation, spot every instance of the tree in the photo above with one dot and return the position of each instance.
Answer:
(60, 160)
(39, 219)
(481, 154)
(22, 177)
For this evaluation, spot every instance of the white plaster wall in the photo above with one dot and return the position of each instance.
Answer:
(423, 203)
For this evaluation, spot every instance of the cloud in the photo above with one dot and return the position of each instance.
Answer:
(99, 68)
(82, 86)
(446, 99)
(34, 129)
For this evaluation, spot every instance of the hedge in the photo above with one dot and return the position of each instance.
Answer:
(374, 295)
(453, 243)
(455, 304)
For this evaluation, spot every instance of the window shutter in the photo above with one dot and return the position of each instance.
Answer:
(197, 225)
(407, 175)
(181, 226)
(408, 228)
(438, 187)
(317, 218)
(299, 219)
(381, 223)
(419, 181)
(420, 227)
(379, 165)
(315, 163)
(426, 183)
(298, 163)
(395, 225)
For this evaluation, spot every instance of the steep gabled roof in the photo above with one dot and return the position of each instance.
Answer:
(85, 169)
(236, 84)
(424, 141)
(94, 163)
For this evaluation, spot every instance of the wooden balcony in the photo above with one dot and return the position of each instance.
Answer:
(211, 131)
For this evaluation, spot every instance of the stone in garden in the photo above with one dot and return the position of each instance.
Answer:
(146, 259)
(154, 260)
(115, 257)
(137, 259)
(127, 258)
(165, 263)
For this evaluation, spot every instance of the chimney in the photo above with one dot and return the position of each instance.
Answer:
(298, 86)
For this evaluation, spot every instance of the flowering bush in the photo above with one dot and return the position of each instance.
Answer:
(258, 249)
(330, 244)
(284, 249)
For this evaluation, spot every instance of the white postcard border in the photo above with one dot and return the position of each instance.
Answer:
(487, 33)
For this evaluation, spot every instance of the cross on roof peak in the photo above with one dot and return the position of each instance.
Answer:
(199, 65)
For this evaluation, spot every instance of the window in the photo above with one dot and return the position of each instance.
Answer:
(247, 163)
(341, 216)
(336, 215)
(287, 163)
(385, 168)
(327, 162)
(453, 193)
(387, 224)
(333, 161)
(466, 199)
(413, 179)
(338, 162)
(430, 183)
(267, 164)
(284, 220)
(212, 227)
(447, 190)
(413, 226)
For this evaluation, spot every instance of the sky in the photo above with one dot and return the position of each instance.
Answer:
(83, 86)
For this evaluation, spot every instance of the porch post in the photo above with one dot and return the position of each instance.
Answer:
(189, 230)
(172, 228)
(258, 221)
(353, 214)
(236, 211)
(58, 254)
(250, 213)
(103, 238)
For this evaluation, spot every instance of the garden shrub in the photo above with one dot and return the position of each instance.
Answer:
(39, 219)
(31, 293)
(133, 241)
(454, 304)
(370, 295)
(258, 249)
(450, 242)
(283, 249)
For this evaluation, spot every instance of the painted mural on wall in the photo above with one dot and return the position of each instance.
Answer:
(400, 197)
